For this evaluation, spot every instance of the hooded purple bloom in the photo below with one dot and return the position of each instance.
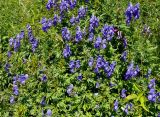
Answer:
(72, 20)
(12, 99)
(152, 95)
(116, 105)
(78, 64)
(80, 77)
(44, 78)
(69, 89)
(91, 36)
(22, 78)
(152, 84)
(66, 34)
(16, 44)
(15, 90)
(124, 56)
(11, 41)
(9, 54)
(125, 43)
(108, 32)
(136, 11)
(158, 114)
(15, 80)
(50, 4)
(94, 23)
(43, 101)
(79, 34)
(72, 66)
(128, 106)
(97, 85)
(6, 67)
(128, 13)
(82, 12)
(55, 19)
(98, 42)
(64, 6)
(123, 93)
(49, 113)
(91, 61)
(104, 43)
(67, 52)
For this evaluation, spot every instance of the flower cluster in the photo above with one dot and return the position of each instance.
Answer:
(99, 43)
(79, 34)
(32, 40)
(66, 34)
(132, 11)
(131, 71)
(69, 89)
(67, 52)
(152, 92)
(73, 65)
(108, 32)
(94, 23)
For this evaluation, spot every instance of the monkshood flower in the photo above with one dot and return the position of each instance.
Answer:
(136, 11)
(55, 19)
(12, 99)
(49, 113)
(124, 56)
(32, 40)
(20, 36)
(66, 34)
(22, 78)
(152, 95)
(15, 80)
(98, 42)
(73, 4)
(158, 114)
(112, 67)
(78, 64)
(11, 42)
(50, 4)
(63, 6)
(91, 61)
(79, 34)
(16, 44)
(44, 78)
(128, 13)
(69, 89)
(82, 12)
(115, 105)
(100, 62)
(123, 93)
(91, 36)
(108, 32)
(128, 106)
(94, 23)
(148, 73)
(131, 72)
(15, 90)
(67, 51)
(152, 84)
(72, 66)
(43, 101)
(103, 43)
(9, 54)
(80, 77)
(72, 20)
(6, 67)
(124, 42)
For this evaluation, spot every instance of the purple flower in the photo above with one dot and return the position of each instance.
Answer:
(152, 84)
(80, 77)
(67, 52)
(49, 113)
(98, 42)
(12, 99)
(123, 93)
(22, 78)
(16, 44)
(15, 90)
(136, 11)
(43, 101)
(158, 114)
(108, 32)
(50, 4)
(69, 89)
(66, 34)
(104, 43)
(128, 106)
(72, 66)
(116, 105)
(124, 56)
(128, 13)
(9, 54)
(63, 6)
(82, 12)
(125, 43)
(15, 80)
(78, 64)
(55, 19)
(6, 67)
(91, 61)
(79, 34)
(94, 23)
(44, 78)
(91, 36)
(11, 41)
(72, 20)
(152, 95)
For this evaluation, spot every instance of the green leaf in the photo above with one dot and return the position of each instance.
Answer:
(142, 101)
(139, 96)
(136, 87)
(130, 97)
